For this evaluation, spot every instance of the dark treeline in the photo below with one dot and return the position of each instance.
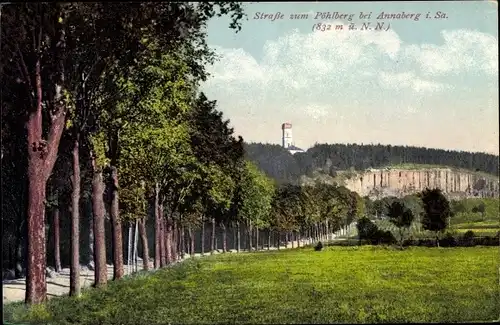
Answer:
(279, 164)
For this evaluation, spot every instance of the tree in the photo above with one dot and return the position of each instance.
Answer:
(33, 65)
(457, 206)
(59, 55)
(287, 208)
(257, 194)
(400, 216)
(436, 211)
(480, 208)
(366, 229)
(414, 203)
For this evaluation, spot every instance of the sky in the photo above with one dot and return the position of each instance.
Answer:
(427, 82)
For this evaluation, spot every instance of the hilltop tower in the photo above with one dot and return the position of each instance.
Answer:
(286, 137)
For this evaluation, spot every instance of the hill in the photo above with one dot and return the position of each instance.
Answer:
(364, 167)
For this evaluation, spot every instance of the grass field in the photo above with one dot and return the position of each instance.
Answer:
(482, 224)
(337, 285)
(487, 228)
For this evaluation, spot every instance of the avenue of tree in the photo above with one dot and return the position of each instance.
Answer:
(104, 123)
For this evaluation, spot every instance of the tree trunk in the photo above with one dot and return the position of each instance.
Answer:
(268, 239)
(98, 210)
(57, 238)
(90, 221)
(182, 241)
(256, 239)
(212, 239)
(202, 237)
(179, 236)
(36, 286)
(249, 232)
(144, 243)
(158, 233)
(136, 233)
(191, 238)
(168, 240)
(233, 232)
(116, 227)
(173, 240)
(165, 250)
(187, 242)
(293, 239)
(129, 247)
(74, 275)
(238, 237)
(224, 237)
(21, 249)
(42, 156)
(279, 239)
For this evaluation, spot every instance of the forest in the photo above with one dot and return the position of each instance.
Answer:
(280, 165)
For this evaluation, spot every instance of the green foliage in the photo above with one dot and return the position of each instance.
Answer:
(363, 284)
(366, 228)
(288, 208)
(401, 216)
(370, 232)
(436, 210)
(257, 192)
(98, 142)
(318, 247)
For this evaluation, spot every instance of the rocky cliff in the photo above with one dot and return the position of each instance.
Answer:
(399, 182)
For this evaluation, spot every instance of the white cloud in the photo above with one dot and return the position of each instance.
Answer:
(306, 73)
(409, 80)
(317, 112)
(462, 50)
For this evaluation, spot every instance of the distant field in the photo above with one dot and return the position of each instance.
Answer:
(482, 224)
(479, 228)
(338, 285)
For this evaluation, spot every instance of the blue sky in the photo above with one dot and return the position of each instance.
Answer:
(431, 82)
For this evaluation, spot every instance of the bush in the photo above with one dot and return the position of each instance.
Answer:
(448, 241)
(467, 238)
(318, 247)
(366, 228)
(383, 237)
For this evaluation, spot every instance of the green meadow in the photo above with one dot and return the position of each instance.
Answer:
(337, 285)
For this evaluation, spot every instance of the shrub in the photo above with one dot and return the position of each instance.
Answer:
(448, 240)
(467, 238)
(486, 241)
(318, 247)
(384, 237)
(388, 237)
(366, 228)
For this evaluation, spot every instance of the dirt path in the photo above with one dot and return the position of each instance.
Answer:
(15, 290)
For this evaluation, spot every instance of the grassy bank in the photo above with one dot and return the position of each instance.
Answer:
(352, 284)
